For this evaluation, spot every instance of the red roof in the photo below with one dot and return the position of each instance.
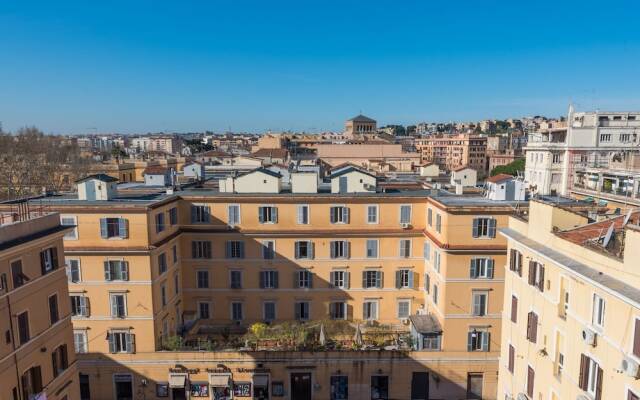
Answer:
(155, 170)
(271, 153)
(594, 231)
(499, 178)
(463, 167)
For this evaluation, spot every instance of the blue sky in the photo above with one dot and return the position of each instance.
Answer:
(140, 66)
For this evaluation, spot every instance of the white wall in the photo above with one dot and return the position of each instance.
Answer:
(257, 182)
(356, 182)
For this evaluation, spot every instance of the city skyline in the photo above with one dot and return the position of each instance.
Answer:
(134, 69)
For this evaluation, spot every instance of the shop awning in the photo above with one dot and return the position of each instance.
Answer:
(177, 381)
(261, 380)
(219, 380)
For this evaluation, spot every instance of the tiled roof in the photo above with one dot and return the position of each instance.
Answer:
(100, 177)
(155, 170)
(271, 153)
(461, 168)
(264, 171)
(595, 230)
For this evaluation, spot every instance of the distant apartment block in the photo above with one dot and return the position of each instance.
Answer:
(453, 151)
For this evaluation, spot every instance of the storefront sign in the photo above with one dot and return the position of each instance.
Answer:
(219, 370)
(184, 370)
(242, 389)
(254, 370)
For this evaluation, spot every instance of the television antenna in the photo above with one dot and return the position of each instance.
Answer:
(607, 237)
(627, 217)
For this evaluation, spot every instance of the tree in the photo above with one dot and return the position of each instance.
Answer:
(509, 169)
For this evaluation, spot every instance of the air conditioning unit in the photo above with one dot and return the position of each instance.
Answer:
(630, 367)
(589, 337)
(405, 225)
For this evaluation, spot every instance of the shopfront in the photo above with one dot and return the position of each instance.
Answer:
(221, 386)
(178, 386)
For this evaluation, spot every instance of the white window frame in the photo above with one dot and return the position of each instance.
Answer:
(400, 248)
(342, 281)
(400, 213)
(478, 293)
(229, 221)
(198, 280)
(598, 309)
(308, 214)
(366, 249)
(592, 378)
(342, 220)
(112, 296)
(69, 271)
(208, 304)
(408, 303)
(377, 214)
(273, 216)
(370, 317)
(297, 304)
(73, 235)
(265, 247)
(343, 310)
(82, 333)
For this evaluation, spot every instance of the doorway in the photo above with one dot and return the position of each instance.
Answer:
(474, 386)
(301, 386)
(420, 386)
(123, 387)
(178, 394)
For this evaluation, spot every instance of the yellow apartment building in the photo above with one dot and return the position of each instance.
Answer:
(205, 264)
(37, 360)
(571, 325)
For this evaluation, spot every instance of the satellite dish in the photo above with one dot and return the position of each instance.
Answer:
(627, 218)
(608, 235)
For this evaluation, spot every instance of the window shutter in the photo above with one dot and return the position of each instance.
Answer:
(333, 249)
(426, 251)
(310, 279)
(532, 272)
(541, 282)
(379, 279)
(636, 339)
(123, 228)
(599, 385)
(297, 249)
(207, 249)
(374, 310)
(475, 227)
(427, 282)
(492, 227)
(347, 249)
(398, 279)
(131, 343)
(345, 214)
(112, 342)
(473, 270)
(470, 341)
(364, 279)
(346, 279)
(584, 372)
(114, 306)
(534, 328)
(512, 260)
(54, 257)
(125, 270)
(54, 363)
(332, 279)
(529, 326)
(193, 249)
(104, 233)
(275, 279)
(274, 214)
(261, 211)
(228, 249)
(300, 220)
(43, 268)
(519, 263)
(413, 280)
(530, 381)
(107, 271)
(514, 309)
(84, 306)
(485, 341)
(241, 244)
(312, 248)
(512, 358)
(490, 264)
(297, 310)
(332, 214)
(262, 279)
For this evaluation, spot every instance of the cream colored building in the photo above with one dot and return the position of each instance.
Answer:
(37, 358)
(571, 312)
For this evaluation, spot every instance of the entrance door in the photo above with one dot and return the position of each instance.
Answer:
(301, 386)
(124, 388)
(420, 386)
(178, 394)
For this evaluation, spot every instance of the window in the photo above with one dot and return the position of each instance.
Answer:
(379, 387)
(339, 249)
(480, 303)
(339, 279)
(436, 260)
(430, 217)
(372, 214)
(405, 214)
(163, 295)
(511, 365)
(597, 318)
(301, 310)
(531, 375)
(304, 249)
(532, 327)
(515, 261)
(431, 341)
(605, 137)
(202, 279)
(174, 252)
(404, 279)
(80, 341)
(303, 215)
(73, 270)
(203, 310)
(339, 215)
(484, 227)
(116, 270)
(235, 278)
(159, 222)
(514, 309)
(200, 214)
(481, 268)
(200, 249)
(426, 251)
(48, 260)
(372, 279)
(268, 249)
(18, 277)
(162, 263)
(173, 216)
(590, 378)
(31, 382)
(404, 308)
(372, 248)
(176, 284)
(478, 340)
(59, 360)
(405, 248)
(435, 294)
(269, 311)
(474, 385)
(557, 158)
(118, 305)
(370, 310)
(636, 339)
(235, 249)
(438, 223)
(54, 314)
(237, 313)
(67, 220)
(427, 282)
(121, 342)
(23, 327)
(268, 279)
(114, 228)
(536, 275)
(339, 387)
(79, 306)
(338, 310)
(304, 279)
(267, 215)
(233, 214)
